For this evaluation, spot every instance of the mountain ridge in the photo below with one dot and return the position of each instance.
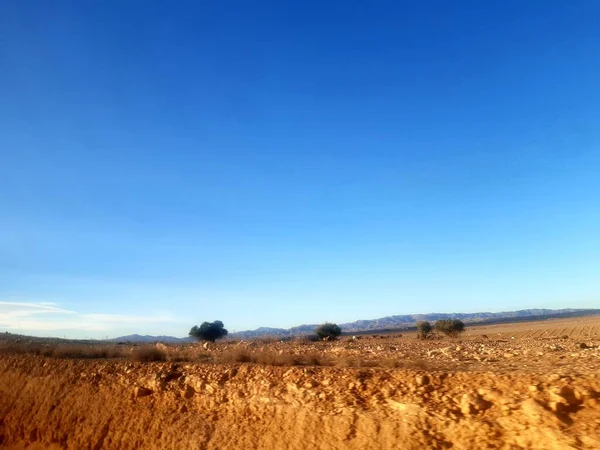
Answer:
(394, 322)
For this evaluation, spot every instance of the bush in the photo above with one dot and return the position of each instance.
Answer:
(328, 331)
(424, 328)
(208, 331)
(307, 339)
(148, 354)
(77, 351)
(268, 358)
(237, 355)
(450, 327)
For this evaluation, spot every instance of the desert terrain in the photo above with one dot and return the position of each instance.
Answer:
(533, 385)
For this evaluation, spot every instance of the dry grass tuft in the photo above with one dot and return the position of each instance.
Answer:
(148, 354)
(269, 358)
(237, 355)
(86, 352)
(65, 351)
(19, 348)
(314, 359)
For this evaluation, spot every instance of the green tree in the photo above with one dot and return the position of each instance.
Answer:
(424, 328)
(328, 331)
(208, 331)
(450, 327)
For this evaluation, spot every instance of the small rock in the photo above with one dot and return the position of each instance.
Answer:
(557, 407)
(592, 403)
(582, 393)
(171, 375)
(471, 403)
(422, 380)
(224, 378)
(311, 384)
(563, 394)
(188, 392)
(534, 410)
(140, 391)
(406, 408)
(535, 388)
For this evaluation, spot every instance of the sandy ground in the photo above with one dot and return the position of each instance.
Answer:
(580, 328)
(536, 391)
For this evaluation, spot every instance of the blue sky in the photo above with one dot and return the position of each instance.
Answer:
(272, 164)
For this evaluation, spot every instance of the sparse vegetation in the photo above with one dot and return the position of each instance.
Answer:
(424, 377)
(148, 353)
(378, 350)
(307, 339)
(450, 327)
(86, 352)
(61, 350)
(328, 331)
(424, 329)
(208, 331)
(270, 358)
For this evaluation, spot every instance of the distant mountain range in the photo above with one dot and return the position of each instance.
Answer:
(148, 338)
(389, 323)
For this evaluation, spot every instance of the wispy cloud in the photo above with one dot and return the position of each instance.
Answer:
(22, 309)
(43, 316)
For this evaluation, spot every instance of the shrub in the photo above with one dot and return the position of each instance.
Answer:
(313, 359)
(268, 358)
(148, 354)
(265, 340)
(237, 355)
(307, 339)
(208, 331)
(274, 359)
(328, 331)
(77, 351)
(424, 328)
(450, 327)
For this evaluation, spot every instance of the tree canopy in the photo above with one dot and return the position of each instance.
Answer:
(424, 328)
(328, 330)
(208, 331)
(450, 327)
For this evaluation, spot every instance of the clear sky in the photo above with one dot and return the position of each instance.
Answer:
(279, 163)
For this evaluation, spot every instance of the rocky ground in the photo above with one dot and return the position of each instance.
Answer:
(372, 393)
(469, 354)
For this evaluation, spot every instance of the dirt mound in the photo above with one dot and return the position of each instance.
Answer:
(76, 404)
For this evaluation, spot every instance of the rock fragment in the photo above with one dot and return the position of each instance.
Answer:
(140, 391)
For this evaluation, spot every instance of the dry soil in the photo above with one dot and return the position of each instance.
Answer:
(534, 386)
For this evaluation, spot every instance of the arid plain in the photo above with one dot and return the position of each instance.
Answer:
(533, 385)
